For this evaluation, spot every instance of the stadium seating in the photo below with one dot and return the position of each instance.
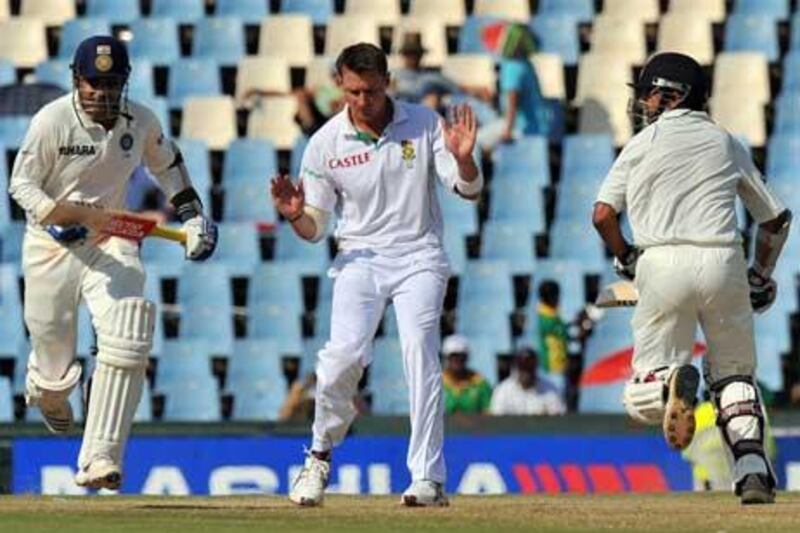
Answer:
(320, 11)
(273, 119)
(343, 30)
(22, 41)
(76, 30)
(50, 12)
(646, 11)
(582, 10)
(432, 33)
(307, 259)
(269, 74)
(683, 32)
(249, 159)
(211, 119)
(115, 11)
(238, 248)
(471, 70)
(557, 34)
(6, 400)
(192, 401)
(287, 36)
(220, 39)
(709, 10)
(192, 77)
(276, 283)
(8, 74)
(154, 39)
(256, 381)
(519, 202)
(752, 33)
(550, 72)
(487, 318)
(12, 331)
(249, 11)
(389, 391)
(384, 12)
(450, 12)
(246, 201)
(516, 10)
(11, 233)
(198, 165)
(622, 37)
(486, 280)
(182, 11)
(204, 294)
(776, 9)
(269, 320)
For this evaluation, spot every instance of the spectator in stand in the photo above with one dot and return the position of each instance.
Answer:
(465, 391)
(553, 336)
(524, 110)
(524, 392)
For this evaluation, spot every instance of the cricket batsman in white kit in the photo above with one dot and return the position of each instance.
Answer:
(678, 180)
(375, 164)
(81, 149)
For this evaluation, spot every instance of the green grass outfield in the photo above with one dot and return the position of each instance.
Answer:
(676, 513)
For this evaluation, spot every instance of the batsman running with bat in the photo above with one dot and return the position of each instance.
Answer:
(678, 180)
(81, 149)
(376, 165)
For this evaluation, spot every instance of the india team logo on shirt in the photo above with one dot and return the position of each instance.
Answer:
(408, 154)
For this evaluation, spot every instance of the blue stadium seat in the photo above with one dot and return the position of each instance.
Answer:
(575, 200)
(255, 378)
(192, 401)
(33, 414)
(390, 328)
(783, 153)
(183, 360)
(56, 72)
(204, 294)
(787, 114)
(311, 348)
(582, 10)
(276, 283)
(8, 73)
(487, 318)
(525, 159)
(212, 323)
(573, 239)
(455, 245)
(158, 105)
(460, 215)
(164, 255)
(115, 11)
(247, 201)
(141, 84)
(586, 157)
(606, 398)
(519, 202)
(322, 320)
(198, 163)
(152, 292)
(155, 39)
(509, 241)
(570, 276)
(558, 34)
(296, 157)
(486, 280)
(192, 77)
(387, 380)
(471, 34)
(790, 80)
(86, 342)
(794, 35)
(220, 39)
(11, 233)
(238, 248)
(76, 30)
(13, 129)
(271, 321)
(777, 9)
(12, 329)
(319, 10)
(144, 411)
(752, 33)
(6, 400)
(5, 205)
(181, 11)
(21, 365)
(307, 259)
(249, 159)
(250, 11)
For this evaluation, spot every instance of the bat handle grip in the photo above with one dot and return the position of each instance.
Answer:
(171, 234)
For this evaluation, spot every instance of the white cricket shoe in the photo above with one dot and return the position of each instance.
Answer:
(58, 417)
(679, 422)
(309, 488)
(424, 493)
(102, 473)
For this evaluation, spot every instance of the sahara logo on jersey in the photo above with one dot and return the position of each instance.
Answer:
(77, 149)
(350, 161)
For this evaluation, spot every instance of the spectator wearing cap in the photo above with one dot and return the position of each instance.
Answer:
(465, 391)
(524, 392)
(413, 83)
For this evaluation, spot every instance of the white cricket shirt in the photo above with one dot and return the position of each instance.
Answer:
(678, 180)
(66, 156)
(382, 191)
(509, 398)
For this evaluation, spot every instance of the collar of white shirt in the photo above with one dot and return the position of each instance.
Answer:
(399, 115)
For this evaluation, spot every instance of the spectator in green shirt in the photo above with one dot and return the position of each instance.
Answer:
(552, 329)
(465, 391)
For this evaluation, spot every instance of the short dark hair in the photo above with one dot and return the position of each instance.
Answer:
(361, 58)
(549, 292)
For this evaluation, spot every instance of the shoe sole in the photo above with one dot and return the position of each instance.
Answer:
(757, 497)
(679, 422)
(306, 502)
(412, 501)
(111, 480)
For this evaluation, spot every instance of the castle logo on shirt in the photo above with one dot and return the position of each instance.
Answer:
(350, 161)
(77, 149)
(126, 141)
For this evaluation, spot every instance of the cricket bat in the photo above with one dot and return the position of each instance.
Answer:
(126, 224)
(618, 294)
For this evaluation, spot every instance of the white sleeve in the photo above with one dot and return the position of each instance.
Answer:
(32, 167)
(497, 404)
(614, 186)
(320, 189)
(159, 155)
(758, 198)
(443, 163)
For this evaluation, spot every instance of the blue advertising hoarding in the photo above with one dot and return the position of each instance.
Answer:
(366, 465)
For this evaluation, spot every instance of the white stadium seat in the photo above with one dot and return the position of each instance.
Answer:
(623, 37)
(710, 10)
(273, 119)
(342, 31)
(23, 41)
(50, 12)
(606, 113)
(550, 71)
(640, 10)
(473, 70)
(385, 12)
(289, 36)
(270, 74)
(517, 10)
(211, 119)
(742, 73)
(602, 74)
(683, 32)
(740, 115)
(450, 12)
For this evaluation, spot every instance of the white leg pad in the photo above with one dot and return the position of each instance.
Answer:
(124, 342)
(42, 391)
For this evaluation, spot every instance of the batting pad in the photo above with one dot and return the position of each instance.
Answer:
(124, 344)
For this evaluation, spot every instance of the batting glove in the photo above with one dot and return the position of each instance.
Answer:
(763, 291)
(201, 238)
(68, 235)
(625, 266)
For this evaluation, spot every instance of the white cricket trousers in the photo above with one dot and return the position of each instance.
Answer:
(363, 284)
(57, 278)
(681, 285)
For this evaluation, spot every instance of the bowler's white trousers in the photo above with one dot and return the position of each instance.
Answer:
(363, 284)
(681, 285)
(57, 278)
